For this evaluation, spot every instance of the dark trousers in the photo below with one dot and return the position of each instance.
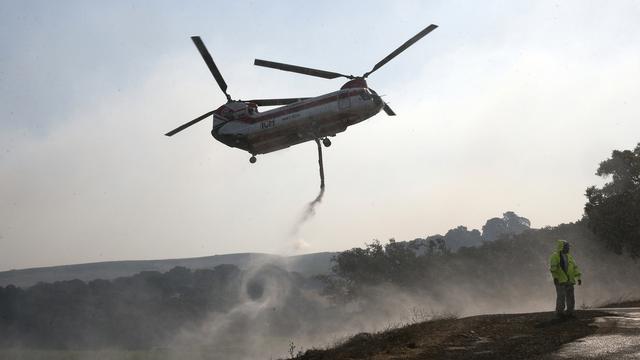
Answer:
(564, 296)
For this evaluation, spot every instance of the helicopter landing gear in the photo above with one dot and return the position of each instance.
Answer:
(253, 159)
(326, 142)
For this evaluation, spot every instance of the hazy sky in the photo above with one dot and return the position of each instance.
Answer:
(508, 105)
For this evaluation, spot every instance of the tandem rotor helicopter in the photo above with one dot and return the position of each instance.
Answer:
(238, 123)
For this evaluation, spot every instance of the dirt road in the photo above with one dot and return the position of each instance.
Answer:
(617, 337)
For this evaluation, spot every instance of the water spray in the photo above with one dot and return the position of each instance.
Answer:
(309, 211)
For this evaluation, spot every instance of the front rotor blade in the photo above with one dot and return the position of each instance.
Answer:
(300, 69)
(388, 110)
(275, 102)
(184, 126)
(402, 48)
(212, 65)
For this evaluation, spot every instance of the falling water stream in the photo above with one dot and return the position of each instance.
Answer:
(310, 210)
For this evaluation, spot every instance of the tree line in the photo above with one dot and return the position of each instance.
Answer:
(133, 312)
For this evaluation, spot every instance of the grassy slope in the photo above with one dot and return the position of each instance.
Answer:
(624, 304)
(505, 336)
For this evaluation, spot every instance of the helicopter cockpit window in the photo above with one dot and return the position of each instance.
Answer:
(227, 113)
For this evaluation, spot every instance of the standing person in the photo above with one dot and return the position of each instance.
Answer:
(565, 274)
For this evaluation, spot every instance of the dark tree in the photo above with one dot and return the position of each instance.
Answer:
(510, 223)
(613, 211)
(462, 237)
(134, 312)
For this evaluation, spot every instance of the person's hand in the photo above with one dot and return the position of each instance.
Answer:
(579, 281)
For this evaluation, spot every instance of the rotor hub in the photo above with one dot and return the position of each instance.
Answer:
(355, 83)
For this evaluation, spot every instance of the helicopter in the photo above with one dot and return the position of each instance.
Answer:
(239, 124)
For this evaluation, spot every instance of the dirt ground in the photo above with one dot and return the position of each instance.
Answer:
(506, 336)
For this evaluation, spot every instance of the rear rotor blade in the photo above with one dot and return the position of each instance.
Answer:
(275, 102)
(402, 48)
(184, 126)
(212, 65)
(388, 110)
(301, 70)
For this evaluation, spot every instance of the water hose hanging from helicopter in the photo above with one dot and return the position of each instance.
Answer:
(320, 165)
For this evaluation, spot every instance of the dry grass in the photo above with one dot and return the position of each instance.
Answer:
(623, 302)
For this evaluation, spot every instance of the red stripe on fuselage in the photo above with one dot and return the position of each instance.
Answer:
(288, 109)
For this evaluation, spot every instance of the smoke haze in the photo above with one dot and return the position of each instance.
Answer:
(258, 312)
(87, 174)
(503, 277)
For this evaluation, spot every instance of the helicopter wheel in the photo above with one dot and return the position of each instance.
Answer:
(326, 142)
(253, 159)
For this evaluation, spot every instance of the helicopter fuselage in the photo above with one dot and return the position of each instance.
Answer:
(238, 124)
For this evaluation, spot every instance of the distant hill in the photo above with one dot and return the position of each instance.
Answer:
(308, 264)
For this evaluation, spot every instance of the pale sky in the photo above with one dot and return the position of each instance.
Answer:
(508, 105)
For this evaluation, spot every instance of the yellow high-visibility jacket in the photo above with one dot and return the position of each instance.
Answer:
(571, 275)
